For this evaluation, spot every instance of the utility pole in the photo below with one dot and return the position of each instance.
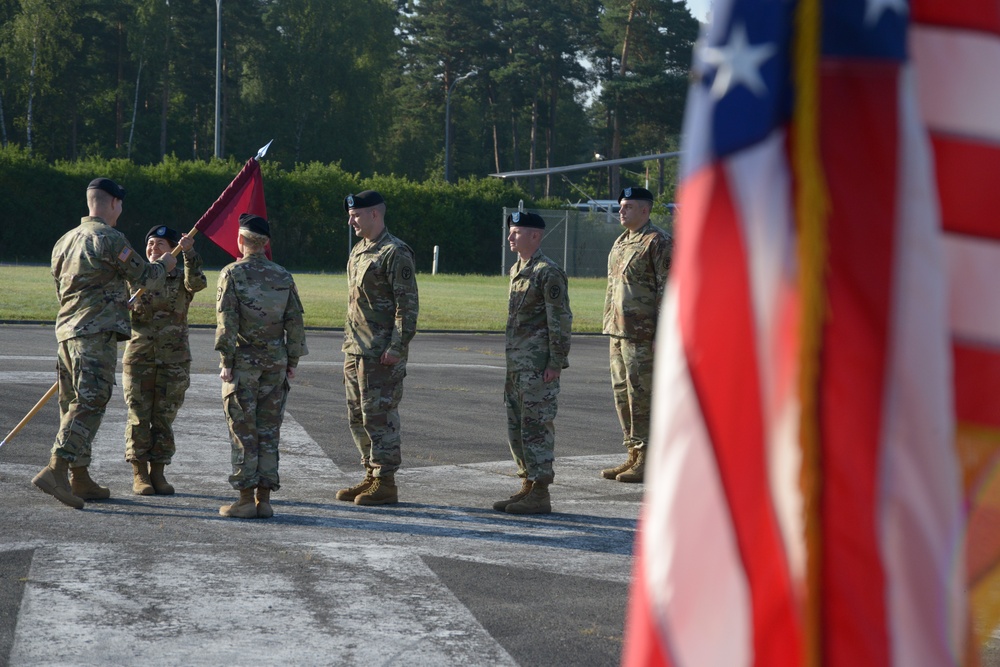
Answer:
(218, 75)
(447, 125)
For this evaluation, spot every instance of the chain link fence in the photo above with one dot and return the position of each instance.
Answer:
(579, 241)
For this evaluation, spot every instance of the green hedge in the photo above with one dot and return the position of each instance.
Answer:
(42, 201)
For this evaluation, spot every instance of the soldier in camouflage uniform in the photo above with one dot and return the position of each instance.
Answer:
(260, 338)
(638, 266)
(381, 320)
(91, 265)
(156, 367)
(539, 322)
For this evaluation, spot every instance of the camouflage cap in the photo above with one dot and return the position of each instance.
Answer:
(365, 199)
(109, 186)
(641, 194)
(172, 236)
(525, 219)
(255, 224)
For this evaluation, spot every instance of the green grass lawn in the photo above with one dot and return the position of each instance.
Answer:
(446, 301)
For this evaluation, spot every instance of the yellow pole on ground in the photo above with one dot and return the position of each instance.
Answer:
(31, 414)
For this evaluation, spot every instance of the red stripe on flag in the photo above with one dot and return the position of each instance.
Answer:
(979, 15)
(643, 641)
(966, 178)
(859, 102)
(717, 327)
(977, 376)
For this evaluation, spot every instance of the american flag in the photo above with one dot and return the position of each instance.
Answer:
(804, 504)
(956, 50)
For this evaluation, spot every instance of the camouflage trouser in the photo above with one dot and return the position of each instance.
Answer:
(254, 403)
(531, 409)
(153, 395)
(632, 381)
(86, 368)
(373, 394)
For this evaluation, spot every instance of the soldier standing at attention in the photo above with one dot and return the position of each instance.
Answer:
(539, 322)
(260, 338)
(638, 266)
(91, 264)
(156, 367)
(381, 320)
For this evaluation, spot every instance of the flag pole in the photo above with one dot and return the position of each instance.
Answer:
(31, 413)
(52, 390)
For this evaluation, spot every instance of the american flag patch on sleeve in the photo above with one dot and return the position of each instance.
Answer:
(124, 254)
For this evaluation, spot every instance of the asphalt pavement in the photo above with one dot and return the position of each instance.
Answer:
(439, 579)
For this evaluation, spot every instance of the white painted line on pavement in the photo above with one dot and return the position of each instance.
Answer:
(112, 605)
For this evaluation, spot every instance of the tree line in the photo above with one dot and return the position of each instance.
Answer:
(364, 85)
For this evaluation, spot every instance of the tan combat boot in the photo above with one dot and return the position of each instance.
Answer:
(637, 471)
(382, 492)
(140, 479)
(349, 494)
(52, 480)
(160, 484)
(612, 473)
(84, 487)
(501, 505)
(536, 502)
(244, 508)
(264, 509)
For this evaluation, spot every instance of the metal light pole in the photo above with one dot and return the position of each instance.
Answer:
(447, 125)
(218, 74)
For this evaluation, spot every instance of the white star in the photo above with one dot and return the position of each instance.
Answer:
(875, 8)
(738, 62)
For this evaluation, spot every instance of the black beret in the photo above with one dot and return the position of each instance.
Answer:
(255, 224)
(172, 236)
(109, 186)
(525, 219)
(636, 193)
(363, 200)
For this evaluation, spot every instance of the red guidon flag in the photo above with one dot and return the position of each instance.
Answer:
(804, 501)
(221, 222)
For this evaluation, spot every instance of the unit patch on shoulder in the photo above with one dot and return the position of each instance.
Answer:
(125, 254)
(406, 273)
(555, 292)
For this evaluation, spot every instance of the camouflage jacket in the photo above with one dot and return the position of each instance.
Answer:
(382, 298)
(259, 316)
(539, 321)
(159, 316)
(638, 266)
(91, 265)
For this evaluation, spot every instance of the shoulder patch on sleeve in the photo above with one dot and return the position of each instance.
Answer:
(125, 254)
(406, 273)
(555, 291)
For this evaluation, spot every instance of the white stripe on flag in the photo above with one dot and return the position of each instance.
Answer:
(694, 572)
(920, 501)
(975, 295)
(957, 67)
